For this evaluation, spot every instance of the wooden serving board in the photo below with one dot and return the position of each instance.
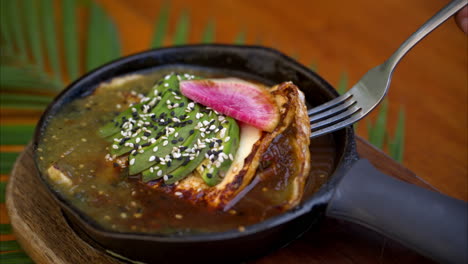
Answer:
(41, 229)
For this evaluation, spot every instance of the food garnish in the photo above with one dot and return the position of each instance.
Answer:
(244, 101)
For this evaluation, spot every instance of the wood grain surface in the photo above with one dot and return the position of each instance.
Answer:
(44, 234)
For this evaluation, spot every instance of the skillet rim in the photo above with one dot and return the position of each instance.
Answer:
(318, 200)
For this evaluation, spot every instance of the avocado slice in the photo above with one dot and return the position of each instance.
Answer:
(184, 137)
(193, 142)
(220, 156)
(156, 123)
(114, 126)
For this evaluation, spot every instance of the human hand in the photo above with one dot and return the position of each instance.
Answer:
(462, 19)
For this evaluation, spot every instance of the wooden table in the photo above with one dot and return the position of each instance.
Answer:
(342, 36)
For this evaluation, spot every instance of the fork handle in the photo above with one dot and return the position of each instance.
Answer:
(429, 222)
(425, 29)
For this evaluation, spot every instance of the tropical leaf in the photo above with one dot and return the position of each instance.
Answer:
(182, 28)
(397, 143)
(16, 134)
(5, 229)
(17, 25)
(240, 38)
(377, 131)
(10, 245)
(161, 26)
(342, 83)
(70, 38)
(26, 77)
(209, 33)
(50, 37)
(6, 27)
(33, 31)
(6, 161)
(2, 191)
(15, 258)
(25, 101)
(313, 66)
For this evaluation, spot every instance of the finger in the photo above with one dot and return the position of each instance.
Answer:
(462, 19)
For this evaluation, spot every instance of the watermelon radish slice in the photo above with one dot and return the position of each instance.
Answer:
(241, 100)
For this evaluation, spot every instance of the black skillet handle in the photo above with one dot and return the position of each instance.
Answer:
(431, 223)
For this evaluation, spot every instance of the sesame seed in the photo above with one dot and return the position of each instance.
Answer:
(166, 85)
(132, 161)
(137, 140)
(178, 216)
(152, 158)
(165, 178)
(165, 143)
(178, 193)
(115, 146)
(159, 173)
(155, 149)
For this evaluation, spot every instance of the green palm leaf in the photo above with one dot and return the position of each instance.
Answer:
(17, 25)
(16, 134)
(50, 37)
(15, 258)
(5, 229)
(181, 33)
(70, 38)
(33, 31)
(240, 38)
(161, 26)
(6, 161)
(208, 35)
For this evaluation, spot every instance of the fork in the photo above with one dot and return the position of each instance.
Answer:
(368, 92)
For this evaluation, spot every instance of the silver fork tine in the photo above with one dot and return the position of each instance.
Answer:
(336, 118)
(329, 104)
(336, 126)
(339, 108)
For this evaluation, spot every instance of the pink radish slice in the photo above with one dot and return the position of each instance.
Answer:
(241, 100)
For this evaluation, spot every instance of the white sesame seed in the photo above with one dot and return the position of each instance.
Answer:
(152, 158)
(167, 77)
(165, 143)
(155, 149)
(134, 109)
(231, 157)
(159, 173)
(227, 139)
(178, 193)
(165, 177)
(132, 161)
(151, 169)
(115, 146)
(212, 127)
(222, 133)
(137, 140)
(166, 85)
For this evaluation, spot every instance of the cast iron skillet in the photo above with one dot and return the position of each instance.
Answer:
(430, 223)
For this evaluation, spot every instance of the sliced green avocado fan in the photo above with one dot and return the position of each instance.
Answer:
(168, 136)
